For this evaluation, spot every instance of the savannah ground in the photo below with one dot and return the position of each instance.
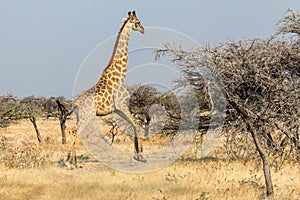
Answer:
(187, 178)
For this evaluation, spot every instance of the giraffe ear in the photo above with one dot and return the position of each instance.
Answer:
(124, 19)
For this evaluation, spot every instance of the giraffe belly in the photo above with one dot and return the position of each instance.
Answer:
(103, 113)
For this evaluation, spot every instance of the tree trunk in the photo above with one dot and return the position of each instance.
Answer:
(63, 131)
(38, 135)
(63, 115)
(263, 155)
(148, 120)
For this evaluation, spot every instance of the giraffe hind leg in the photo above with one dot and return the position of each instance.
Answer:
(74, 159)
(68, 160)
(71, 157)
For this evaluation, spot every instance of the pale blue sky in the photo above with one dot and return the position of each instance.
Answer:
(43, 43)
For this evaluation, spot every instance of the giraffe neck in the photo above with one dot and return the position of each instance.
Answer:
(117, 65)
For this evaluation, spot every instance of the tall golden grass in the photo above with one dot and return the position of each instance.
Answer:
(181, 180)
(185, 179)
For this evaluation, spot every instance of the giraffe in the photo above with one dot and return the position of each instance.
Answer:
(109, 94)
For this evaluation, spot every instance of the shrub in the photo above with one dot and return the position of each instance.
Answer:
(24, 155)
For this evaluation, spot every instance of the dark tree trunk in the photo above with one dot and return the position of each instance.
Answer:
(263, 155)
(38, 134)
(63, 130)
(63, 115)
(148, 120)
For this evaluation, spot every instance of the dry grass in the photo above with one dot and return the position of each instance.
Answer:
(184, 179)
(181, 180)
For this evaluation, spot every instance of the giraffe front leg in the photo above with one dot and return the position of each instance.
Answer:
(68, 160)
(138, 156)
(74, 158)
(120, 101)
(138, 151)
(71, 160)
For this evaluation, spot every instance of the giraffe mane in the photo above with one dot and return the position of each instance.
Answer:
(116, 43)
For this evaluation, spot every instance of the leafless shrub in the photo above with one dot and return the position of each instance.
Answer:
(290, 24)
(24, 155)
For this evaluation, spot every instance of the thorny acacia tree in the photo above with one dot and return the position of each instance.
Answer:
(31, 107)
(159, 112)
(142, 97)
(10, 110)
(261, 80)
(63, 115)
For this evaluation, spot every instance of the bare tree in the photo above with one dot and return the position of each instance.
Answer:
(64, 113)
(290, 25)
(261, 81)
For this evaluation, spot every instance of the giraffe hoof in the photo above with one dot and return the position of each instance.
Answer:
(139, 158)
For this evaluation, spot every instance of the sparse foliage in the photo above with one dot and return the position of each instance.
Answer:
(33, 107)
(141, 100)
(261, 81)
(290, 24)
(160, 110)
(11, 110)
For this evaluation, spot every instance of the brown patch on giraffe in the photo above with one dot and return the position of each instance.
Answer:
(118, 53)
(105, 94)
(123, 51)
(109, 82)
(117, 85)
(107, 76)
(104, 74)
(109, 90)
(116, 73)
(114, 79)
(118, 62)
(97, 98)
(99, 105)
(107, 103)
(119, 68)
(122, 43)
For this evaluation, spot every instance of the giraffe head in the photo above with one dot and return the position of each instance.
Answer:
(135, 22)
